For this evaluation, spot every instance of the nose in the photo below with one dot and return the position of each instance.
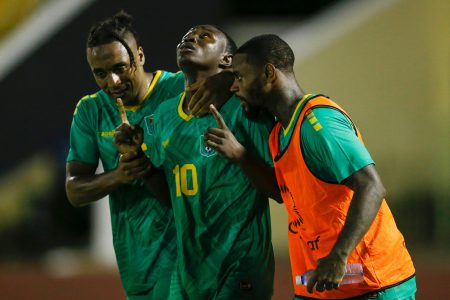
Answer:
(235, 86)
(190, 37)
(113, 80)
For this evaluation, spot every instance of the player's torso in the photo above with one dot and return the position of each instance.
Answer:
(198, 175)
(220, 218)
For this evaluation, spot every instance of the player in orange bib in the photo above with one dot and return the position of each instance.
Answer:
(326, 178)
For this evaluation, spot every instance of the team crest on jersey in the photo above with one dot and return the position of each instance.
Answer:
(205, 150)
(148, 120)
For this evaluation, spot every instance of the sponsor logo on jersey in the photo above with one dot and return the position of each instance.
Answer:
(148, 120)
(314, 244)
(106, 134)
(205, 150)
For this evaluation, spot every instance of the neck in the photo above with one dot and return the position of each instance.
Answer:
(142, 88)
(287, 99)
(191, 78)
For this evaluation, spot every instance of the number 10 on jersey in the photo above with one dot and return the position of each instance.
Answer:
(183, 174)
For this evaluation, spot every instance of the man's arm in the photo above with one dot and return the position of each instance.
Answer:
(369, 193)
(83, 186)
(223, 141)
(128, 140)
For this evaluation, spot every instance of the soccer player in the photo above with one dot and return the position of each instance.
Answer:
(222, 222)
(327, 179)
(143, 228)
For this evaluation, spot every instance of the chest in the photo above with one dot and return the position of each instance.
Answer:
(183, 141)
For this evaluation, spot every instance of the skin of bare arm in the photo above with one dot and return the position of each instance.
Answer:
(83, 186)
(369, 193)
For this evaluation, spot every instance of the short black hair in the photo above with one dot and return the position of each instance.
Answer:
(114, 28)
(269, 48)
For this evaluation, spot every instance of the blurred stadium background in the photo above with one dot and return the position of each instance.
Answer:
(385, 61)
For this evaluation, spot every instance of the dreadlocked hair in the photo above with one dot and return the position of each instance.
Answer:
(114, 28)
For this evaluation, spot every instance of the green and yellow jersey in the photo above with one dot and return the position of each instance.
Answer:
(329, 142)
(142, 227)
(222, 222)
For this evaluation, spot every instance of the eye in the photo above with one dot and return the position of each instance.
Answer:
(120, 69)
(205, 35)
(238, 76)
(99, 74)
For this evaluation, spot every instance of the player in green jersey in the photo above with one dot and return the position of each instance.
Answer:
(222, 222)
(143, 230)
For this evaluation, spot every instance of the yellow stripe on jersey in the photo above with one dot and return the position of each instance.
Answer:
(317, 127)
(285, 131)
(84, 99)
(314, 122)
(181, 112)
(147, 94)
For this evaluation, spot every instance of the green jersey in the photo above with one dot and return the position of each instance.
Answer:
(222, 222)
(330, 145)
(142, 227)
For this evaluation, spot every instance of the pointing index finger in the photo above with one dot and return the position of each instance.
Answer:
(218, 117)
(123, 114)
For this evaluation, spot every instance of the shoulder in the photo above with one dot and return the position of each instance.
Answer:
(169, 105)
(90, 103)
(166, 77)
(327, 121)
(167, 109)
(167, 84)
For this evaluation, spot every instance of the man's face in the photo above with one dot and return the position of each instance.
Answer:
(110, 64)
(203, 46)
(248, 85)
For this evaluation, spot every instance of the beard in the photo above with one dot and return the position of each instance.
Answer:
(251, 112)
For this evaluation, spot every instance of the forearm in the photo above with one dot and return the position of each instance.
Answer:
(363, 209)
(157, 185)
(85, 189)
(261, 176)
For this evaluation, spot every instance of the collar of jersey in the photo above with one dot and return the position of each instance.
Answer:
(299, 104)
(147, 94)
(181, 112)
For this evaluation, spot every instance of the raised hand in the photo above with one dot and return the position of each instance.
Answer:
(212, 90)
(222, 139)
(127, 138)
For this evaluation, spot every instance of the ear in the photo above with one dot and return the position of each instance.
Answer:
(226, 61)
(270, 73)
(141, 56)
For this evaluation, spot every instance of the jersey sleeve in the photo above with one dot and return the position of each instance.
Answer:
(156, 148)
(83, 139)
(330, 146)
